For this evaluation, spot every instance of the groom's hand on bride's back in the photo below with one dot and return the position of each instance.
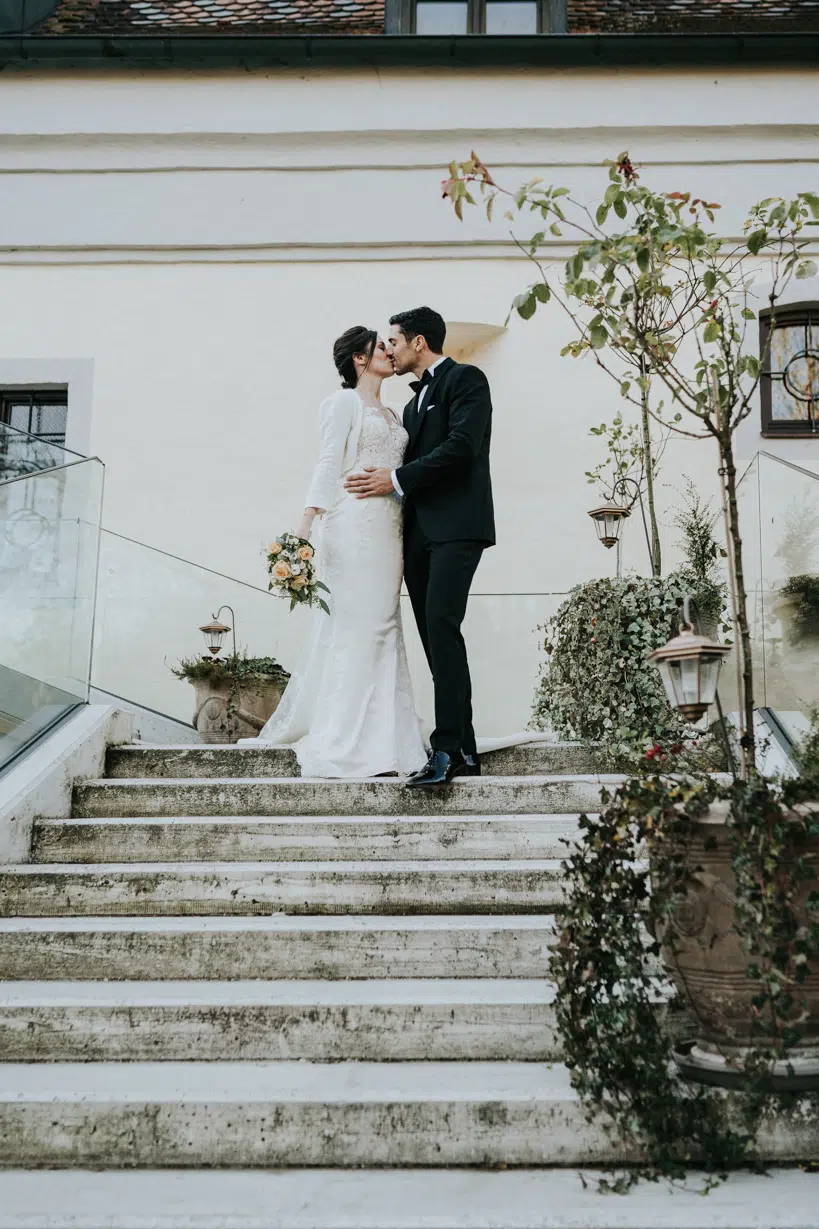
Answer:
(370, 482)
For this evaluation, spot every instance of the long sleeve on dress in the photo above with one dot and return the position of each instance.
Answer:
(336, 418)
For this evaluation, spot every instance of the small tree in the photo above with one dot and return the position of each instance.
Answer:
(662, 304)
(700, 571)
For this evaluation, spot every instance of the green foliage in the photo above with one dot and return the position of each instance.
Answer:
(595, 684)
(617, 1041)
(662, 303)
(238, 668)
(804, 619)
(798, 535)
(701, 571)
(636, 292)
(806, 786)
(625, 455)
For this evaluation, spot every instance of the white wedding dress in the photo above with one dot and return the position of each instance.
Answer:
(348, 710)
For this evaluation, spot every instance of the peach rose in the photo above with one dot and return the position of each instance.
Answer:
(282, 570)
(299, 582)
(274, 548)
(305, 552)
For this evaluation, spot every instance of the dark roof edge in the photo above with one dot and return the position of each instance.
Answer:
(478, 51)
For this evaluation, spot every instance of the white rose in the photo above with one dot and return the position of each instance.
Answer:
(296, 569)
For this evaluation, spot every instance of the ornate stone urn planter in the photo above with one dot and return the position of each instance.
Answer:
(709, 964)
(226, 711)
(234, 698)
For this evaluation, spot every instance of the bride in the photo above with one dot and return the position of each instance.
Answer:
(348, 710)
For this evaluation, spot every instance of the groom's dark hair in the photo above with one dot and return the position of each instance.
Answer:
(422, 322)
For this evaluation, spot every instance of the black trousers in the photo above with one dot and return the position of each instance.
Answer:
(438, 576)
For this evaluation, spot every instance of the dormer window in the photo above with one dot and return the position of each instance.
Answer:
(453, 17)
(789, 390)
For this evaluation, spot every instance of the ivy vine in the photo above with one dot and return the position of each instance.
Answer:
(596, 684)
(623, 879)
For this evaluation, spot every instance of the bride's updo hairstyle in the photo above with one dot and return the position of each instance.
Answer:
(356, 340)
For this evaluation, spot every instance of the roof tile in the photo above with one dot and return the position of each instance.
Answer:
(367, 16)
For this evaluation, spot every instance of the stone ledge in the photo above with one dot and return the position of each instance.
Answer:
(137, 948)
(397, 1199)
(248, 1115)
(272, 887)
(235, 796)
(306, 838)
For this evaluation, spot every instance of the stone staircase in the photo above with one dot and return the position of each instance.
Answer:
(215, 963)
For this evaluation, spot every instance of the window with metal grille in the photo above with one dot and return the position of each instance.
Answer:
(789, 391)
(40, 412)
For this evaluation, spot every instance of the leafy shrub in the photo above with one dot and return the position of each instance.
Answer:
(595, 685)
(236, 668)
(804, 619)
(701, 572)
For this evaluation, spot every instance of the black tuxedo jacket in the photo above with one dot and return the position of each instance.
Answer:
(445, 475)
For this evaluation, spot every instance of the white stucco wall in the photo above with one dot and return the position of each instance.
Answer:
(193, 244)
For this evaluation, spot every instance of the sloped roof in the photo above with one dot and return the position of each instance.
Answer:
(692, 16)
(200, 16)
(356, 17)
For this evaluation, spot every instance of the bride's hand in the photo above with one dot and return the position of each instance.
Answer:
(305, 525)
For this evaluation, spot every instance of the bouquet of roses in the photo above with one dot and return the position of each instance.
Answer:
(293, 573)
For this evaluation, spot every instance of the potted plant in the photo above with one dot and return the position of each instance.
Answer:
(235, 695)
(728, 891)
(700, 574)
(798, 606)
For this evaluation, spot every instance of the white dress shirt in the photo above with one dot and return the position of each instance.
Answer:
(421, 395)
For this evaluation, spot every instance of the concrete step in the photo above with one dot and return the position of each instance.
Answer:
(262, 888)
(251, 1115)
(144, 760)
(231, 948)
(397, 1199)
(290, 796)
(324, 1021)
(309, 838)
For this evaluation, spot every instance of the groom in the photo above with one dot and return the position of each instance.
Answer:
(448, 521)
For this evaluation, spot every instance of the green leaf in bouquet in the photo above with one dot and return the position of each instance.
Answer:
(324, 605)
(321, 586)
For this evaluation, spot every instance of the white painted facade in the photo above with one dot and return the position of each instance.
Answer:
(181, 250)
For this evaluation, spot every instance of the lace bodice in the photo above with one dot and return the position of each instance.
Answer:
(381, 444)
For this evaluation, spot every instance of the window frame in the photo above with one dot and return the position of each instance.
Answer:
(476, 19)
(37, 395)
(804, 314)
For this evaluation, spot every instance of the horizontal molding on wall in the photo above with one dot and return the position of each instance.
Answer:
(555, 252)
(389, 152)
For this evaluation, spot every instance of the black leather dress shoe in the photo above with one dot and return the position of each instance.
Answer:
(440, 769)
(473, 765)
(412, 775)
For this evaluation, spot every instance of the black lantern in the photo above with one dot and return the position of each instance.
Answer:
(608, 519)
(689, 666)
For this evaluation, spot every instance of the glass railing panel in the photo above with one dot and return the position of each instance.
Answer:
(21, 453)
(49, 538)
(150, 607)
(787, 633)
(505, 655)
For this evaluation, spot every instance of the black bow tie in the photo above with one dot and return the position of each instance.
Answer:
(417, 385)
